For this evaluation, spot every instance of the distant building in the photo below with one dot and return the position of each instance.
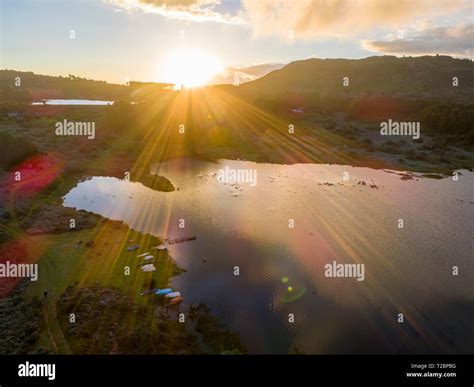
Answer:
(298, 110)
(15, 115)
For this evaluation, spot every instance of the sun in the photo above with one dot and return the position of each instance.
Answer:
(190, 68)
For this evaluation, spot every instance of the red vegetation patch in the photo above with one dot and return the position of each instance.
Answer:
(30, 177)
(15, 253)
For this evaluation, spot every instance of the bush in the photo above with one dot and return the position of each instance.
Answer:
(470, 137)
(14, 150)
(20, 323)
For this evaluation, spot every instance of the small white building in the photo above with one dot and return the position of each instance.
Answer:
(298, 110)
(15, 115)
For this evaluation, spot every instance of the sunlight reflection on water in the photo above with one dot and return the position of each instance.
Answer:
(335, 220)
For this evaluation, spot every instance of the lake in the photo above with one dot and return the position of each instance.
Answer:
(282, 301)
(66, 102)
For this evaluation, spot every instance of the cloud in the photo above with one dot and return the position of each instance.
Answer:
(318, 18)
(452, 40)
(193, 10)
(310, 19)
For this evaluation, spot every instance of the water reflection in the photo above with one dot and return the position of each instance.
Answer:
(281, 268)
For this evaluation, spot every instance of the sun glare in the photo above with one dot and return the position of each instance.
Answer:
(190, 68)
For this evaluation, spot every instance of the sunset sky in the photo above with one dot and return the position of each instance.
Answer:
(117, 40)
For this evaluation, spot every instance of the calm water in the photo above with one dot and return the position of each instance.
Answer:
(282, 271)
(72, 102)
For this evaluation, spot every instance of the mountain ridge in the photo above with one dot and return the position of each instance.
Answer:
(418, 77)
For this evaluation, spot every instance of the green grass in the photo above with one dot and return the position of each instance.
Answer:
(103, 263)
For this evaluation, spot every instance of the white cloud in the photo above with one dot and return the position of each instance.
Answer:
(317, 18)
(311, 19)
(452, 40)
(193, 10)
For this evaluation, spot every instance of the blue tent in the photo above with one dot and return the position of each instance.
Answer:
(163, 292)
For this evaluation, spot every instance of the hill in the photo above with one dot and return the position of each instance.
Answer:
(35, 87)
(245, 74)
(426, 77)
